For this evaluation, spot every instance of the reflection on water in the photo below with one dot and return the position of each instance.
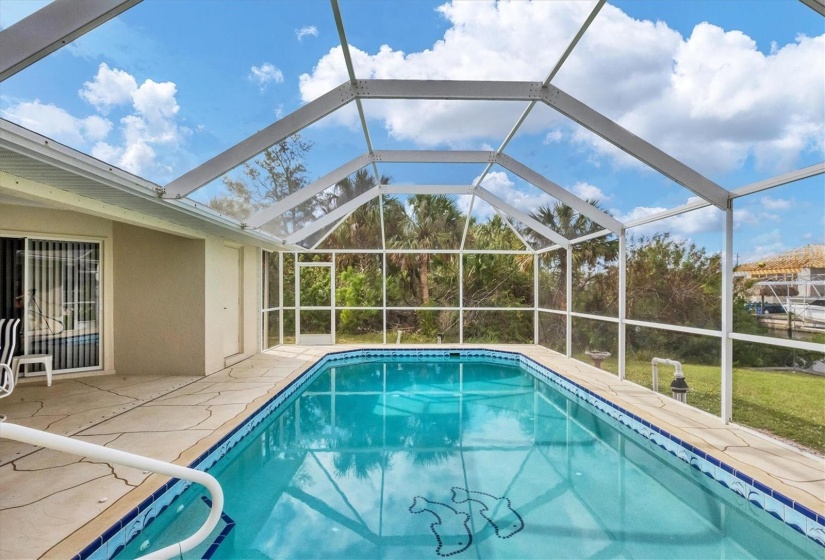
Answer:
(425, 460)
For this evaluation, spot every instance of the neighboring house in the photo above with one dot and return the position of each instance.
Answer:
(802, 269)
(108, 277)
(796, 277)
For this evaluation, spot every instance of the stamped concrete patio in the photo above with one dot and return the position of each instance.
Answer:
(52, 504)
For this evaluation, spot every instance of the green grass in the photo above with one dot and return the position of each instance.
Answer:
(788, 404)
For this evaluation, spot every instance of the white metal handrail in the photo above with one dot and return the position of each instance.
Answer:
(100, 453)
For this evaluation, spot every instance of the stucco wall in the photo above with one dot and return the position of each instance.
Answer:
(32, 221)
(159, 310)
(162, 302)
(214, 335)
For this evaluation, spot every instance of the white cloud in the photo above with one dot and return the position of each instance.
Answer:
(307, 31)
(108, 88)
(702, 220)
(764, 245)
(711, 99)
(522, 197)
(776, 203)
(555, 135)
(588, 192)
(149, 119)
(265, 74)
(486, 41)
(56, 123)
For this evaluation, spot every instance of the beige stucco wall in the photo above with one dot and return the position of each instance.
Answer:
(214, 334)
(30, 221)
(162, 301)
(251, 305)
(159, 302)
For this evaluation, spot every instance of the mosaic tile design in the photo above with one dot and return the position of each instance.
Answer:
(792, 513)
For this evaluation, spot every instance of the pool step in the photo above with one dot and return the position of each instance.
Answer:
(229, 524)
(175, 523)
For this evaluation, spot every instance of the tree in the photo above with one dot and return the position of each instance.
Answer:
(277, 173)
(433, 222)
(591, 259)
(673, 281)
(362, 229)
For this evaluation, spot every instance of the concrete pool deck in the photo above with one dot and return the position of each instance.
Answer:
(52, 504)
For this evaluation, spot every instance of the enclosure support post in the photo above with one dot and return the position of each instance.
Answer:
(535, 299)
(727, 317)
(280, 298)
(262, 276)
(332, 298)
(297, 298)
(461, 298)
(569, 301)
(622, 300)
(383, 265)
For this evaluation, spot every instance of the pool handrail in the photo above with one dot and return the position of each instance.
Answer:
(109, 455)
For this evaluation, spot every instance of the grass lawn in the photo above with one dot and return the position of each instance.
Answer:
(788, 404)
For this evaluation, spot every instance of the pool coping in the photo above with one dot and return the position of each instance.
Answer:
(792, 513)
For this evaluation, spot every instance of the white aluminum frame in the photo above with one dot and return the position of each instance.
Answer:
(299, 307)
(64, 20)
(50, 28)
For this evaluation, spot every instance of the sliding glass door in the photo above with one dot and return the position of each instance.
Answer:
(53, 287)
(62, 302)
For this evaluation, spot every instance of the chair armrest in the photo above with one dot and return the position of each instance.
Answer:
(8, 380)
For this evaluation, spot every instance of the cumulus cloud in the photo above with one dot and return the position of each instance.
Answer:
(148, 120)
(776, 203)
(522, 197)
(307, 31)
(766, 244)
(711, 99)
(703, 220)
(57, 123)
(589, 192)
(265, 74)
(108, 88)
(486, 41)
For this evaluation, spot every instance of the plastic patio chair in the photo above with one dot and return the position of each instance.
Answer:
(8, 340)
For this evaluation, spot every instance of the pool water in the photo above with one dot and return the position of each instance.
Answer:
(466, 459)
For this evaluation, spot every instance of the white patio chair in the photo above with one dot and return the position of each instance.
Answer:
(8, 339)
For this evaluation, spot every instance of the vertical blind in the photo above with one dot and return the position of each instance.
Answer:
(63, 302)
(11, 282)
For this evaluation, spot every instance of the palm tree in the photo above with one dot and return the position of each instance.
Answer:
(592, 273)
(571, 224)
(432, 222)
(362, 229)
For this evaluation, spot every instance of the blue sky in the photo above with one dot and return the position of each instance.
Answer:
(734, 89)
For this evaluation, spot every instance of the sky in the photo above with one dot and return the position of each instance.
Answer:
(734, 89)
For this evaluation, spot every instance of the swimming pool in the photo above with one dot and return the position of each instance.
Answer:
(417, 454)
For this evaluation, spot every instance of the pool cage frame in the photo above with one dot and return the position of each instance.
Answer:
(62, 21)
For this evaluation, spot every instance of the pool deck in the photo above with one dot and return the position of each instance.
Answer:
(53, 504)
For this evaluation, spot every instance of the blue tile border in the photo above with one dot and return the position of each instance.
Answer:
(793, 514)
(229, 525)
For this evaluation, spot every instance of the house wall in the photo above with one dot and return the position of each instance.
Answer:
(162, 305)
(214, 334)
(159, 302)
(32, 221)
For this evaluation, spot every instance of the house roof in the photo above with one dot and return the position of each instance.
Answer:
(790, 262)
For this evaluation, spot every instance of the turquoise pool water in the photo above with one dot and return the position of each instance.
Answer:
(465, 459)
